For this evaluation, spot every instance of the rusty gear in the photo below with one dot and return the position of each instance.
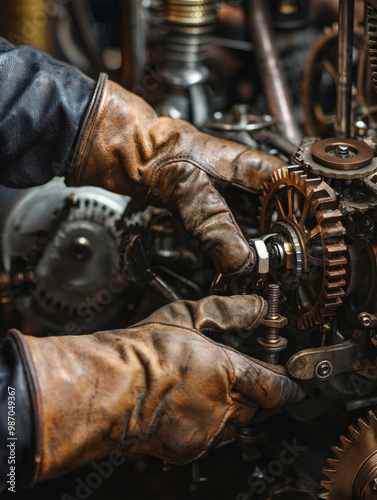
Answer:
(322, 65)
(309, 205)
(353, 471)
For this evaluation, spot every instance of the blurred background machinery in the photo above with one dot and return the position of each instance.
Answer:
(295, 79)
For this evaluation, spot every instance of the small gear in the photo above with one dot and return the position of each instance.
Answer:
(310, 207)
(87, 234)
(353, 472)
(70, 239)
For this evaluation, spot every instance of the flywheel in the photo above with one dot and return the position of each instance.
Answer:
(353, 472)
(307, 207)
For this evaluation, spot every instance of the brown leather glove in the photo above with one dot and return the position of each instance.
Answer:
(158, 388)
(124, 147)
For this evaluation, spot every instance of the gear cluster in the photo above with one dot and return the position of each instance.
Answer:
(310, 207)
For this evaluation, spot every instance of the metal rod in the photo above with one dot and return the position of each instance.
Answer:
(278, 97)
(344, 83)
(134, 44)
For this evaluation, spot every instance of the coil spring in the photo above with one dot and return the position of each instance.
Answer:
(188, 24)
(192, 17)
(371, 18)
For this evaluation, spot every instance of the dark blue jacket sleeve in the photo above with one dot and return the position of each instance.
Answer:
(42, 104)
(16, 420)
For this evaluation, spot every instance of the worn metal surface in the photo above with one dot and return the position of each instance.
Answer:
(270, 70)
(328, 153)
(346, 357)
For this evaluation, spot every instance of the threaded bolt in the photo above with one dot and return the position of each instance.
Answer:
(271, 335)
(343, 151)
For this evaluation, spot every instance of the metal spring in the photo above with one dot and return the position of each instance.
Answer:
(187, 24)
(193, 17)
(371, 18)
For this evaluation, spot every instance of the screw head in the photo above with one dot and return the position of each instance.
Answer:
(81, 248)
(324, 369)
(365, 320)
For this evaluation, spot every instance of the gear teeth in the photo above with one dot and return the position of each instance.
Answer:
(333, 261)
(304, 323)
(334, 273)
(279, 174)
(371, 417)
(298, 176)
(329, 473)
(329, 306)
(354, 431)
(335, 284)
(362, 423)
(335, 294)
(334, 230)
(333, 462)
(337, 451)
(329, 217)
(325, 189)
(345, 441)
(312, 183)
(331, 248)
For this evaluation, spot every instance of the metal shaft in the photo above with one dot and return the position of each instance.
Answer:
(277, 93)
(134, 44)
(344, 83)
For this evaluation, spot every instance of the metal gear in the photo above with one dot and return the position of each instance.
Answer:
(309, 205)
(319, 82)
(85, 239)
(353, 472)
(75, 264)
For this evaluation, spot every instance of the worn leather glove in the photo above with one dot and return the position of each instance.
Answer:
(158, 388)
(124, 147)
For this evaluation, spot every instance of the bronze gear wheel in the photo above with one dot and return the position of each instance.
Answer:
(319, 81)
(309, 205)
(353, 472)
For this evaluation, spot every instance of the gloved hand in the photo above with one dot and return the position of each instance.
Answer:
(158, 388)
(124, 147)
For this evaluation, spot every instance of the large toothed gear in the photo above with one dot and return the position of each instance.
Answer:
(353, 472)
(310, 207)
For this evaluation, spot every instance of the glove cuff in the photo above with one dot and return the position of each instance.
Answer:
(74, 168)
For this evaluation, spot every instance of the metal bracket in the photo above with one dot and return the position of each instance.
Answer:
(325, 362)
